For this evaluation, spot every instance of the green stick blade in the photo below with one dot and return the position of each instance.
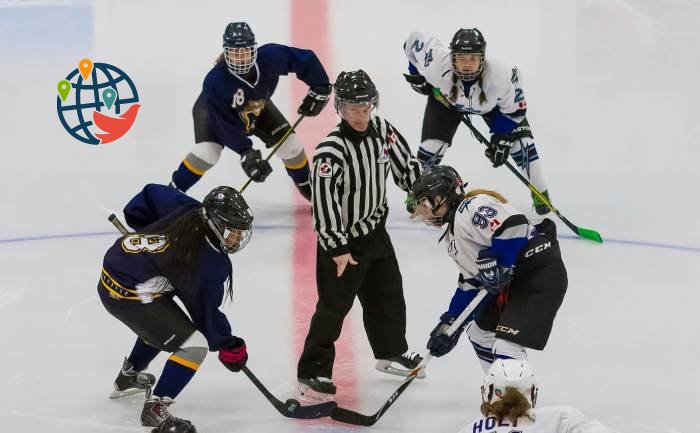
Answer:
(589, 234)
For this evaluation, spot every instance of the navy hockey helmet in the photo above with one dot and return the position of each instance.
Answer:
(355, 87)
(468, 41)
(240, 48)
(437, 186)
(228, 215)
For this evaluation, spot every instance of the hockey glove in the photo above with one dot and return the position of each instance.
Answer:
(419, 84)
(234, 357)
(493, 277)
(315, 100)
(440, 343)
(254, 166)
(499, 149)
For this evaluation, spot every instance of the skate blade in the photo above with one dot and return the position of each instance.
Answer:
(126, 393)
(389, 369)
(309, 396)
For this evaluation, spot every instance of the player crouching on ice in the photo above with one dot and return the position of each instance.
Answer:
(496, 249)
(509, 395)
(180, 249)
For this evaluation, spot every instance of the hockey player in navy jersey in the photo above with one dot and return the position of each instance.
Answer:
(476, 85)
(180, 248)
(235, 104)
(496, 249)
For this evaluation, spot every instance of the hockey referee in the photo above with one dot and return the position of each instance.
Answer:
(355, 256)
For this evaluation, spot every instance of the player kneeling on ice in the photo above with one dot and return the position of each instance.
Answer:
(509, 395)
(181, 249)
(497, 249)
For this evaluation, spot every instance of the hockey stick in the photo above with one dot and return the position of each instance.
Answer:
(582, 232)
(290, 408)
(276, 146)
(351, 417)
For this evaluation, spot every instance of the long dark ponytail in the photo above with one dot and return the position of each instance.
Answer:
(187, 234)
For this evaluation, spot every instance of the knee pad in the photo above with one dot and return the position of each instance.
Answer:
(431, 151)
(204, 155)
(483, 342)
(192, 352)
(292, 152)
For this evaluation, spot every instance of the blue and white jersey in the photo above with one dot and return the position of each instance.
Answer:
(497, 94)
(483, 222)
(131, 269)
(553, 419)
(234, 104)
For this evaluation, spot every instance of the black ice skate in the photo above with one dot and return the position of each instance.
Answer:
(130, 381)
(155, 417)
(304, 189)
(316, 390)
(401, 365)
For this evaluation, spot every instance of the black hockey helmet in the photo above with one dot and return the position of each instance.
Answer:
(228, 215)
(238, 36)
(355, 87)
(438, 185)
(468, 41)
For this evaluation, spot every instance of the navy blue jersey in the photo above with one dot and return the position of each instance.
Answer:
(132, 266)
(234, 104)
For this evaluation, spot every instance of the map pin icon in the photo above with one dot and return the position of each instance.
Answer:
(85, 67)
(109, 95)
(64, 89)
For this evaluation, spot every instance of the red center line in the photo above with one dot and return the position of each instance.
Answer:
(310, 30)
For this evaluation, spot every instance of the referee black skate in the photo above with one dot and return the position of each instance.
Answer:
(355, 256)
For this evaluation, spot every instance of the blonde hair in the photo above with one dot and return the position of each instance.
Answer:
(512, 405)
(493, 194)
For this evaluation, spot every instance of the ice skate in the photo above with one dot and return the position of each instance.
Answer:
(130, 381)
(401, 365)
(155, 417)
(316, 390)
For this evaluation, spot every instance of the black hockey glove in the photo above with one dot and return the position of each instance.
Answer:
(254, 166)
(315, 100)
(499, 149)
(440, 343)
(492, 276)
(419, 84)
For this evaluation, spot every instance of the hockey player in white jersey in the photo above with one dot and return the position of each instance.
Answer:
(497, 249)
(472, 84)
(509, 396)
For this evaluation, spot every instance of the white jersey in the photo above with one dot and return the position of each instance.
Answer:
(479, 224)
(499, 85)
(553, 419)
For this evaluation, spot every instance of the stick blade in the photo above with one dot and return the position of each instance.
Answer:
(589, 234)
(351, 417)
(293, 409)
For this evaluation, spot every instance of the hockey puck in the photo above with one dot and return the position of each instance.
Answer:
(292, 404)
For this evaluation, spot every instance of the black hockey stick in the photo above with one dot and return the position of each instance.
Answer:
(582, 232)
(290, 408)
(351, 417)
(275, 147)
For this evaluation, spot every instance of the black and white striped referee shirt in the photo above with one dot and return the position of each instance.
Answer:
(349, 181)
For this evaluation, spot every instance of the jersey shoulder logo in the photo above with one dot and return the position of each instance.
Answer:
(136, 243)
(325, 169)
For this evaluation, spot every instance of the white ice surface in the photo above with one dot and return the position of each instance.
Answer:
(612, 93)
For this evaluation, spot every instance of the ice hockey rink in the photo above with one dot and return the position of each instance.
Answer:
(612, 94)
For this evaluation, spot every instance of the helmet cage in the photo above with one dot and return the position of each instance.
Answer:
(467, 76)
(231, 239)
(240, 59)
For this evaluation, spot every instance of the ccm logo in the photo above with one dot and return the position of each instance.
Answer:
(507, 330)
(538, 249)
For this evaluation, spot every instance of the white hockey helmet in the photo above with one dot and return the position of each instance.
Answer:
(504, 373)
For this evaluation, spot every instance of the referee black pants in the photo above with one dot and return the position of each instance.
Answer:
(376, 281)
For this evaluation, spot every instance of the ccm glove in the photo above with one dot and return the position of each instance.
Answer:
(499, 149)
(493, 277)
(234, 357)
(440, 343)
(419, 84)
(254, 166)
(315, 100)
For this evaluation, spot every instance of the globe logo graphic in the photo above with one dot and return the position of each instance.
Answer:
(97, 103)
